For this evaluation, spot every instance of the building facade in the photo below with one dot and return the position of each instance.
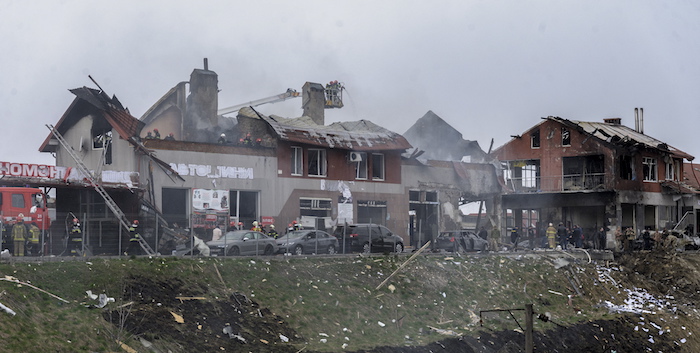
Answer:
(592, 174)
(195, 169)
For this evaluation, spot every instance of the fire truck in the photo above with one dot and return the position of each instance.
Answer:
(29, 202)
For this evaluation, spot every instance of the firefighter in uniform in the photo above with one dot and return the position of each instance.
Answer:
(33, 244)
(19, 236)
(75, 238)
(552, 236)
(273, 232)
(256, 227)
(631, 236)
(134, 239)
(494, 239)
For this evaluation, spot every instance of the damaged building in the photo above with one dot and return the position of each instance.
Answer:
(454, 171)
(192, 166)
(594, 174)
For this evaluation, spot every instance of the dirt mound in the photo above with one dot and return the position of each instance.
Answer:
(185, 320)
(665, 273)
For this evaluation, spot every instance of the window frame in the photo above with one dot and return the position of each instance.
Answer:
(297, 161)
(322, 162)
(535, 137)
(565, 136)
(362, 167)
(378, 167)
(671, 170)
(18, 201)
(650, 169)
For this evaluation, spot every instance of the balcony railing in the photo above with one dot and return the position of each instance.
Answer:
(570, 182)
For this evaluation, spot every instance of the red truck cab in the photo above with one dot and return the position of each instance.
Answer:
(30, 202)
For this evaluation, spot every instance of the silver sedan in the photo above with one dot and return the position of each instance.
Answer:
(307, 242)
(243, 242)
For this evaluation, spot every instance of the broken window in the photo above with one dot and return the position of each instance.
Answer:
(317, 162)
(535, 139)
(649, 169)
(174, 207)
(361, 166)
(297, 159)
(100, 137)
(671, 170)
(102, 140)
(626, 168)
(522, 174)
(315, 207)
(583, 172)
(244, 206)
(377, 166)
(565, 136)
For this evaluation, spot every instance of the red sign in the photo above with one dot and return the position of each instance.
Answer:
(32, 170)
(268, 220)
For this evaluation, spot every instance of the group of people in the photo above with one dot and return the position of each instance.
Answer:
(567, 237)
(627, 237)
(155, 135)
(21, 237)
(270, 230)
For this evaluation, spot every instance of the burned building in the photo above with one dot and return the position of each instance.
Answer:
(199, 168)
(592, 174)
(445, 172)
(103, 135)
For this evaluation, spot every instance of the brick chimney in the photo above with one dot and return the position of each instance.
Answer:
(202, 103)
(314, 102)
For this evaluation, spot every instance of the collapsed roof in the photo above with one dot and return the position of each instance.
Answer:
(438, 140)
(90, 101)
(362, 135)
(622, 136)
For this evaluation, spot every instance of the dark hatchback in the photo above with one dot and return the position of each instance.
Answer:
(367, 237)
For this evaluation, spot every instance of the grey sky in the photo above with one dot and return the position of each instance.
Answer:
(489, 68)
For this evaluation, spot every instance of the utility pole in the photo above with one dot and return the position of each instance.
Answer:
(529, 343)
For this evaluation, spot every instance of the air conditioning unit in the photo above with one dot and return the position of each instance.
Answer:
(355, 157)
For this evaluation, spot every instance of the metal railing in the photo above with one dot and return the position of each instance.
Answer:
(570, 182)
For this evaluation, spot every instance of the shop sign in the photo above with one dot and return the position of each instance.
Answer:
(267, 220)
(25, 170)
(214, 172)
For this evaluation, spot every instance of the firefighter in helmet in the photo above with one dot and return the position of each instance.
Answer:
(273, 232)
(19, 236)
(134, 239)
(75, 238)
(33, 241)
(256, 227)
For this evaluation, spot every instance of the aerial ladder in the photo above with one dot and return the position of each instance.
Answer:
(290, 93)
(100, 190)
(333, 98)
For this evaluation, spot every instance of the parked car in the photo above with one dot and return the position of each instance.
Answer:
(243, 242)
(464, 240)
(307, 241)
(356, 237)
